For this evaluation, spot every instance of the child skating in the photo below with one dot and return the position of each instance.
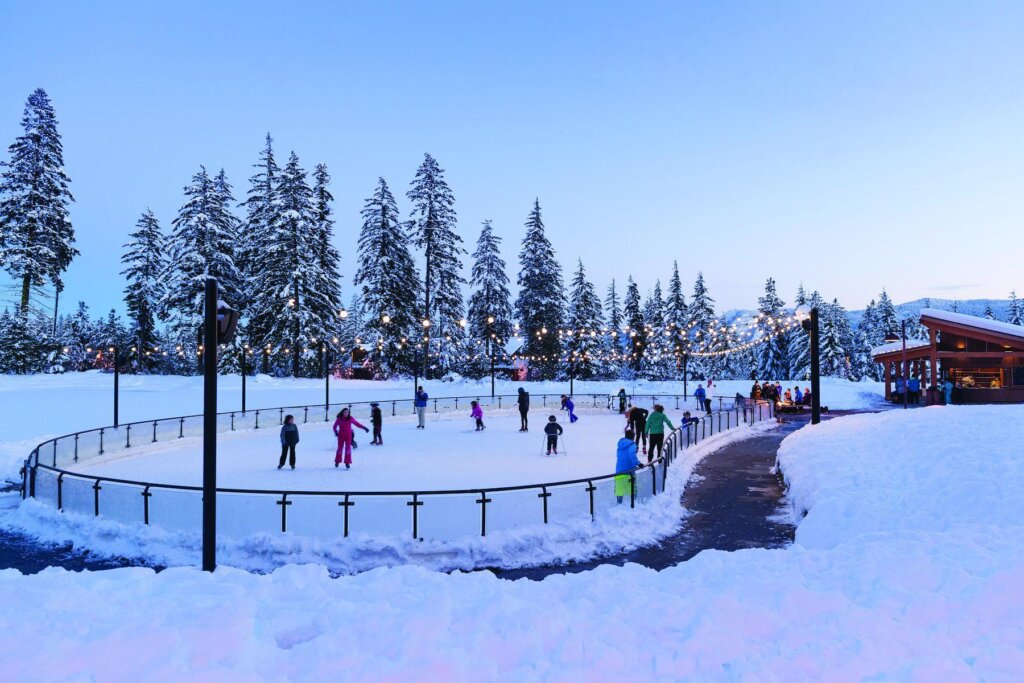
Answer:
(477, 413)
(569, 406)
(289, 438)
(376, 420)
(553, 431)
(625, 462)
(343, 430)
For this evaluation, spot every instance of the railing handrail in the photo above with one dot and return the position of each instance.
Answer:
(276, 492)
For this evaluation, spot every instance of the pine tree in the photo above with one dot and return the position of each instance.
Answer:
(636, 340)
(323, 298)
(772, 353)
(490, 300)
(1015, 315)
(540, 301)
(22, 343)
(658, 358)
(36, 237)
(799, 345)
(888, 322)
(389, 284)
(677, 317)
(701, 316)
(201, 245)
(833, 353)
(584, 344)
(145, 264)
(868, 337)
(989, 314)
(613, 306)
(433, 230)
(259, 228)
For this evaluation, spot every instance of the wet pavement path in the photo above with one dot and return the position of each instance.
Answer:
(735, 500)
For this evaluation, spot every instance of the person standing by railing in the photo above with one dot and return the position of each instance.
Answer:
(700, 394)
(709, 394)
(637, 418)
(656, 423)
(625, 462)
(421, 407)
(377, 420)
(289, 439)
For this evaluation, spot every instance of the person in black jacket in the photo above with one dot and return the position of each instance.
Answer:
(553, 430)
(376, 420)
(638, 423)
(289, 437)
(524, 409)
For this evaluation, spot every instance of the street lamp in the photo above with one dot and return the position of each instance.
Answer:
(892, 338)
(490, 348)
(808, 318)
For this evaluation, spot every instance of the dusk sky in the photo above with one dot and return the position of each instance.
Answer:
(848, 148)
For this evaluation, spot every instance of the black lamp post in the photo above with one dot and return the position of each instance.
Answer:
(892, 338)
(490, 348)
(117, 374)
(245, 371)
(808, 318)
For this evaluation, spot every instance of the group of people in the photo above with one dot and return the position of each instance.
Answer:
(776, 394)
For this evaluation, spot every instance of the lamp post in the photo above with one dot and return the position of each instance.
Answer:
(892, 338)
(327, 381)
(808, 318)
(490, 348)
(245, 371)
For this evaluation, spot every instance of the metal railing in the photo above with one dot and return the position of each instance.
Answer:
(435, 514)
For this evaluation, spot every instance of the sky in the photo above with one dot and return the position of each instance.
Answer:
(848, 147)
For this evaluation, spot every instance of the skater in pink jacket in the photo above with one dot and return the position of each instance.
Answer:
(478, 414)
(343, 430)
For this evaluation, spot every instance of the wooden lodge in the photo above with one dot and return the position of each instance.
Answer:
(984, 359)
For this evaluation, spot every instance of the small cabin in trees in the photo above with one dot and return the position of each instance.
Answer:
(984, 359)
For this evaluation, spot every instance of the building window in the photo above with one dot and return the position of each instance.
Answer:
(978, 378)
(1018, 376)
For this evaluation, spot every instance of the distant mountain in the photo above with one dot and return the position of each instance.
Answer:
(912, 309)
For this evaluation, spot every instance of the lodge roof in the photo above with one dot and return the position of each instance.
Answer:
(974, 322)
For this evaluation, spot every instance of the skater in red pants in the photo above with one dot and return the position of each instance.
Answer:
(343, 430)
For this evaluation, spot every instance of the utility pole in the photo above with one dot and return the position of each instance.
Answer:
(210, 427)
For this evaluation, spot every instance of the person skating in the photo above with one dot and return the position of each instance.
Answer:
(638, 423)
(709, 393)
(569, 406)
(477, 413)
(376, 421)
(421, 407)
(625, 462)
(343, 430)
(289, 438)
(622, 401)
(524, 410)
(699, 394)
(656, 423)
(553, 431)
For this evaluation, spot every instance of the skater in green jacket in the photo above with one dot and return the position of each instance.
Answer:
(656, 423)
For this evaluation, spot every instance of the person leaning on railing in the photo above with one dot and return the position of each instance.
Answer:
(656, 423)
(625, 462)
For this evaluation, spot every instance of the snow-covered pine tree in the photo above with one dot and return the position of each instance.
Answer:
(701, 313)
(989, 313)
(615, 321)
(36, 237)
(799, 346)
(390, 285)
(613, 306)
(285, 304)
(541, 299)
(677, 317)
(658, 358)
(772, 353)
(636, 340)
(350, 329)
(23, 345)
(145, 263)
(1015, 315)
(433, 230)
(201, 245)
(490, 300)
(867, 339)
(887, 321)
(833, 354)
(261, 216)
(585, 346)
(323, 295)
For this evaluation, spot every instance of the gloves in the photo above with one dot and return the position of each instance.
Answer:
(366, 430)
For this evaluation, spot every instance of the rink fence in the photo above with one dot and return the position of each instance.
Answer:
(443, 515)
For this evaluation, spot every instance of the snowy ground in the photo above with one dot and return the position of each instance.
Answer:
(909, 565)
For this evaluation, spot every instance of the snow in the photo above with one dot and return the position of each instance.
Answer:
(975, 321)
(909, 565)
(893, 347)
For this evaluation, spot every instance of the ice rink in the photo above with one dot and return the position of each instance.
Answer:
(448, 454)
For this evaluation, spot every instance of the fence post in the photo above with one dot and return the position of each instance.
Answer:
(76, 441)
(101, 441)
(415, 503)
(544, 495)
(483, 500)
(284, 503)
(590, 490)
(181, 428)
(257, 420)
(632, 489)
(96, 497)
(145, 504)
(60, 492)
(393, 408)
(127, 443)
(345, 505)
(232, 420)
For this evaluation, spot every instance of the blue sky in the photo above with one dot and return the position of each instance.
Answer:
(848, 147)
